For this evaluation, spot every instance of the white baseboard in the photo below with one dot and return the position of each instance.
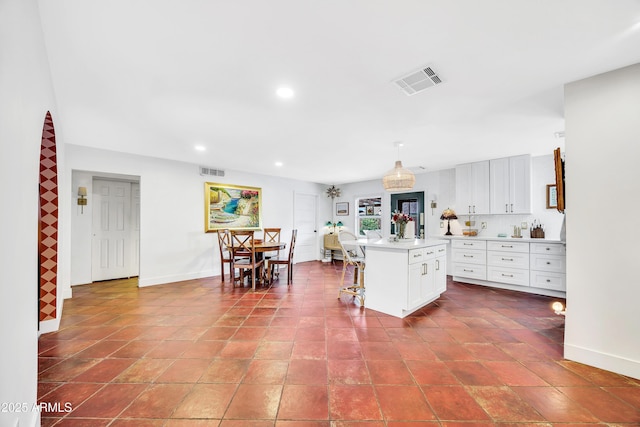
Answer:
(608, 362)
(161, 280)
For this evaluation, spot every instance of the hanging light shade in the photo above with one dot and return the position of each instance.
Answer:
(399, 178)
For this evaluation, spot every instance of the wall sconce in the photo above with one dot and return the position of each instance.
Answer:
(82, 198)
(333, 226)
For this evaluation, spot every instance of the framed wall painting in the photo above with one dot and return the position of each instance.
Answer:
(342, 208)
(552, 196)
(234, 207)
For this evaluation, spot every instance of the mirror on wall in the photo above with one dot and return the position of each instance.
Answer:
(411, 204)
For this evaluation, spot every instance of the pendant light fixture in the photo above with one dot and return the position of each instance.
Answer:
(399, 178)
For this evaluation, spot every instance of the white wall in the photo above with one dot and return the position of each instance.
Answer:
(173, 244)
(26, 96)
(603, 186)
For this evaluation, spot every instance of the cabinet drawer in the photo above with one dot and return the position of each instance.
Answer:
(548, 263)
(513, 276)
(508, 246)
(508, 259)
(470, 257)
(548, 248)
(416, 256)
(471, 271)
(469, 244)
(424, 254)
(548, 280)
(430, 252)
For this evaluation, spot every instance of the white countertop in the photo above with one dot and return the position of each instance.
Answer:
(513, 239)
(404, 244)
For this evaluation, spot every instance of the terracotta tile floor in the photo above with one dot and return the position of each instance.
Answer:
(200, 353)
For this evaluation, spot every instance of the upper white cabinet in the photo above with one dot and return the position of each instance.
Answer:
(472, 188)
(510, 185)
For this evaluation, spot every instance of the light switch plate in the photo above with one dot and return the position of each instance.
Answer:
(483, 225)
(441, 224)
(524, 225)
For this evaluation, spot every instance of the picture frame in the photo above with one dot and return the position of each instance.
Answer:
(342, 208)
(552, 196)
(235, 207)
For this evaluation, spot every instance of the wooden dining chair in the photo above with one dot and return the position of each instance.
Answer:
(352, 255)
(244, 256)
(271, 235)
(285, 261)
(224, 243)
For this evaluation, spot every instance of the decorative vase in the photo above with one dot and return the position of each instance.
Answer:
(402, 226)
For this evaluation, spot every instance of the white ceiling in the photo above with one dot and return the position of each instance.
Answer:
(157, 77)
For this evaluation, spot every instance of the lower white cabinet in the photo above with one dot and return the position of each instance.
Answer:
(427, 275)
(537, 267)
(399, 282)
(441, 270)
(469, 258)
(508, 262)
(548, 263)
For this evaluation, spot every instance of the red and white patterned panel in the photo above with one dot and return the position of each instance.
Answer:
(48, 246)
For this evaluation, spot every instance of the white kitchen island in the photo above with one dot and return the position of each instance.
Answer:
(401, 277)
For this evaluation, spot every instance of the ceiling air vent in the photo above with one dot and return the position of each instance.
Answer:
(204, 170)
(418, 81)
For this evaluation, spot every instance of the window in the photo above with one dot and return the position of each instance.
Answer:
(369, 215)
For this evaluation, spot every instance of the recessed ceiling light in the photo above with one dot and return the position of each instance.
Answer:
(279, 164)
(200, 148)
(285, 92)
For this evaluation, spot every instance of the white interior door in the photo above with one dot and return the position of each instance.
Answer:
(304, 220)
(113, 242)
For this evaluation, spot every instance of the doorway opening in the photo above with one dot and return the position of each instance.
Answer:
(105, 232)
(411, 204)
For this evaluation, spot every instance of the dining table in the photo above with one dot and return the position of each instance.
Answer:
(261, 247)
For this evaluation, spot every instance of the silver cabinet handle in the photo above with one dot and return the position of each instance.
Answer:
(506, 275)
(506, 208)
(468, 256)
(508, 259)
(506, 246)
(438, 264)
(470, 271)
(511, 207)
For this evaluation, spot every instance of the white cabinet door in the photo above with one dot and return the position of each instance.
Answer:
(472, 188)
(510, 182)
(520, 184)
(417, 282)
(480, 172)
(499, 181)
(441, 275)
(464, 199)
